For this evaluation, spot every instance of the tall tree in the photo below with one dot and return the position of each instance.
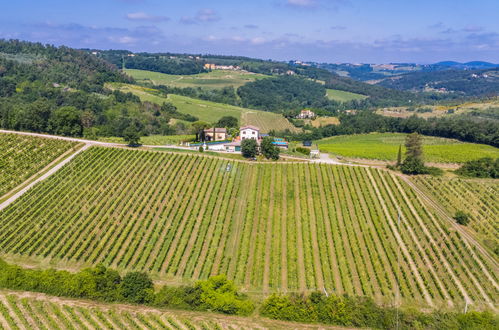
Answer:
(414, 146)
(399, 156)
(413, 163)
(269, 150)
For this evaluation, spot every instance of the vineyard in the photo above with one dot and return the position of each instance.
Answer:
(23, 156)
(479, 198)
(385, 146)
(32, 311)
(213, 79)
(269, 227)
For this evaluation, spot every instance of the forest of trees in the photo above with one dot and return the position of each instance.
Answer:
(60, 90)
(281, 92)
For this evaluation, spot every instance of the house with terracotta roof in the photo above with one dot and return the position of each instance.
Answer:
(215, 134)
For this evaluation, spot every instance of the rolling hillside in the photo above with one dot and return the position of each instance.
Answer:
(213, 79)
(384, 146)
(211, 111)
(483, 82)
(269, 227)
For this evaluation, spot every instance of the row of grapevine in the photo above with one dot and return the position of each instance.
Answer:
(29, 311)
(479, 198)
(23, 156)
(270, 227)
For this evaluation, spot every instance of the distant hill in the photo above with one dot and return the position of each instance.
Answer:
(474, 65)
(484, 82)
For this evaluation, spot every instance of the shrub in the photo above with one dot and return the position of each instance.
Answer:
(302, 150)
(462, 218)
(480, 168)
(220, 295)
(136, 287)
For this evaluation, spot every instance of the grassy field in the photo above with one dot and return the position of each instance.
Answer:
(324, 121)
(269, 227)
(24, 310)
(384, 146)
(342, 96)
(212, 112)
(213, 79)
(477, 197)
(23, 156)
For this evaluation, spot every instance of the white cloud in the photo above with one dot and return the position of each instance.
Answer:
(302, 3)
(203, 16)
(141, 16)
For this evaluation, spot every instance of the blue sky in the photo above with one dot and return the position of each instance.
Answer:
(368, 31)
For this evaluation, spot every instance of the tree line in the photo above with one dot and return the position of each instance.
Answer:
(217, 294)
(462, 127)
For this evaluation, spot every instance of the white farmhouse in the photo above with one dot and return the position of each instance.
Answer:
(249, 132)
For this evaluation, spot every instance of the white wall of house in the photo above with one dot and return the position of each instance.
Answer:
(249, 133)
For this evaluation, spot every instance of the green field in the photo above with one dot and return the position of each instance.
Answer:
(213, 79)
(212, 112)
(24, 310)
(269, 227)
(23, 156)
(342, 96)
(384, 146)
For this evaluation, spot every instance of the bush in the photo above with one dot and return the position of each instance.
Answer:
(480, 168)
(302, 150)
(201, 149)
(215, 294)
(137, 287)
(462, 218)
(220, 295)
(363, 312)
(413, 166)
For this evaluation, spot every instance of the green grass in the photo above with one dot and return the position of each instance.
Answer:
(153, 140)
(342, 96)
(213, 79)
(211, 111)
(384, 146)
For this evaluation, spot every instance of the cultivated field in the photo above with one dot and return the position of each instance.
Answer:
(23, 310)
(384, 146)
(23, 156)
(212, 111)
(323, 121)
(342, 96)
(479, 198)
(153, 140)
(269, 227)
(213, 79)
